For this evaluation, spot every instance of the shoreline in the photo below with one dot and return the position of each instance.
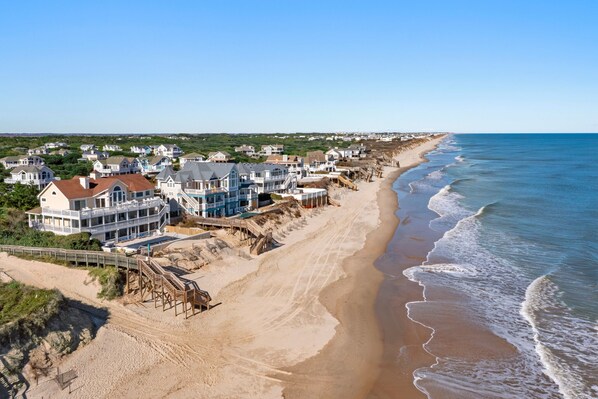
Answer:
(351, 300)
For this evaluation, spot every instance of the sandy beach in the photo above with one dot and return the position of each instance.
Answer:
(298, 321)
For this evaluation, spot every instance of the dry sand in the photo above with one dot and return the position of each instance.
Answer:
(299, 318)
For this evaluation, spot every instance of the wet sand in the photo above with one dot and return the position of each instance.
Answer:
(354, 363)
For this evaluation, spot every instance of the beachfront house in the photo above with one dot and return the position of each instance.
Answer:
(22, 160)
(111, 147)
(207, 189)
(318, 161)
(154, 164)
(168, 150)
(267, 178)
(193, 157)
(38, 151)
(141, 150)
(115, 165)
(272, 149)
(248, 150)
(219, 156)
(293, 163)
(113, 208)
(32, 175)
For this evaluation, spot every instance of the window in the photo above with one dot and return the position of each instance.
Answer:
(43, 199)
(117, 195)
(53, 192)
(139, 194)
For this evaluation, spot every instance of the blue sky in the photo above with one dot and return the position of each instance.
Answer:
(286, 66)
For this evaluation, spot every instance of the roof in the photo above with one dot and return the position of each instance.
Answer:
(165, 173)
(11, 159)
(192, 155)
(283, 158)
(211, 154)
(29, 169)
(72, 188)
(204, 171)
(116, 159)
(156, 159)
(316, 156)
(246, 168)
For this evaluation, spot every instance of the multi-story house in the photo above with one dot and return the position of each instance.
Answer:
(94, 155)
(193, 157)
(38, 151)
(113, 208)
(248, 150)
(22, 160)
(155, 164)
(111, 147)
(293, 163)
(267, 178)
(272, 149)
(38, 176)
(205, 189)
(115, 165)
(317, 161)
(87, 147)
(143, 150)
(219, 156)
(168, 150)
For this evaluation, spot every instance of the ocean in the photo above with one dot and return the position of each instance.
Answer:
(509, 225)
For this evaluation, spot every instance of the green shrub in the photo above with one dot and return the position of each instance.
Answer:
(110, 279)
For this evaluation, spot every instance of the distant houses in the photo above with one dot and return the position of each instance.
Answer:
(94, 155)
(154, 164)
(142, 150)
(38, 151)
(87, 147)
(115, 165)
(248, 150)
(193, 157)
(34, 175)
(55, 145)
(168, 150)
(14, 161)
(219, 156)
(272, 149)
(111, 147)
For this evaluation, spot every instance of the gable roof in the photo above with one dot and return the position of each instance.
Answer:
(192, 155)
(211, 154)
(72, 188)
(30, 169)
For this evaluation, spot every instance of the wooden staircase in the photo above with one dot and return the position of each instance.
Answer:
(170, 290)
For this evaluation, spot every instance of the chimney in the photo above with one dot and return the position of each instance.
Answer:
(84, 182)
(94, 175)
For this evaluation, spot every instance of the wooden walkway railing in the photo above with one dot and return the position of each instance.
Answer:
(171, 290)
(87, 258)
(260, 236)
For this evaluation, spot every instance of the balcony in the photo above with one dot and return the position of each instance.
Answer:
(207, 191)
(89, 213)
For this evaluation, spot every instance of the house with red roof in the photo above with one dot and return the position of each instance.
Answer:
(115, 208)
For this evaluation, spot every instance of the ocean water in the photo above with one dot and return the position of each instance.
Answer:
(515, 225)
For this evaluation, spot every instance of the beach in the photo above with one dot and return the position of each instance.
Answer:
(298, 321)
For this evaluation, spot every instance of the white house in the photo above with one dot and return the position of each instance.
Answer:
(273, 149)
(115, 165)
(111, 147)
(94, 155)
(13, 162)
(141, 150)
(113, 208)
(193, 157)
(168, 150)
(293, 163)
(267, 178)
(55, 145)
(219, 156)
(317, 161)
(155, 164)
(87, 147)
(38, 151)
(38, 176)
(248, 150)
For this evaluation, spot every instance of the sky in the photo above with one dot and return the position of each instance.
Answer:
(298, 66)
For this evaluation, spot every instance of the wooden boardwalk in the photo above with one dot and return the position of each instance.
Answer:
(260, 237)
(77, 257)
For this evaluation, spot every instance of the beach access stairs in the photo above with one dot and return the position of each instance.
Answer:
(169, 290)
(260, 237)
(345, 181)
